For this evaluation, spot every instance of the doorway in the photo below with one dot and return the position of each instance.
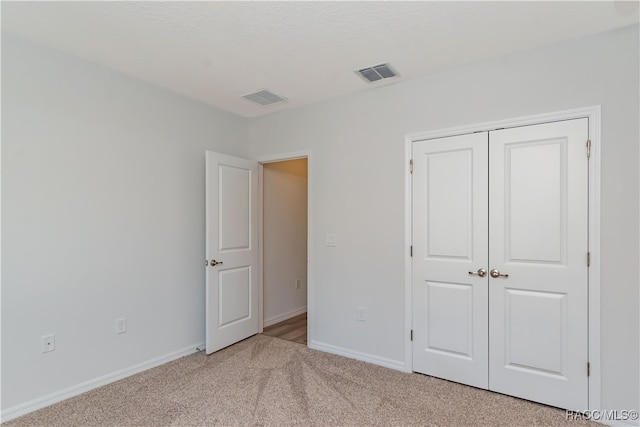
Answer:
(293, 329)
(235, 250)
(284, 243)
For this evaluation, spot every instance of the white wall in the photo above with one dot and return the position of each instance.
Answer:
(103, 217)
(285, 239)
(358, 187)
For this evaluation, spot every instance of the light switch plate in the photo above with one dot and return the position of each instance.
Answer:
(331, 239)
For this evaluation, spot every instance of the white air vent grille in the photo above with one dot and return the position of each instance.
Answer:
(264, 97)
(377, 72)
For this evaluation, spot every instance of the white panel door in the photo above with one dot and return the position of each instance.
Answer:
(538, 237)
(513, 201)
(231, 250)
(450, 331)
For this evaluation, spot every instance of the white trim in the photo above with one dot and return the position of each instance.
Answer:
(365, 357)
(589, 112)
(50, 399)
(408, 294)
(593, 114)
(310, 253)
(285, 316)
(595, 380)
(284, 156)
(261, 324)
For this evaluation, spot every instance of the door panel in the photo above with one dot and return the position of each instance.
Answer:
(450, 229)
(235, 219)
(452, 305)
(541, 349)
(235, 292)
(535, 199)
(231, 240)
(448, 184)
(538, 236)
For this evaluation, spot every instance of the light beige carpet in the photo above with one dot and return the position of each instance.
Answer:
(265, 381)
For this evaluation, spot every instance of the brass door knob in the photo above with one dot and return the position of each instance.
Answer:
(496, 273)
(481, 272)
(214, 262)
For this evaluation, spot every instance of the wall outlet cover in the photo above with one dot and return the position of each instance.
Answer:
(48, 343)
(121, 325)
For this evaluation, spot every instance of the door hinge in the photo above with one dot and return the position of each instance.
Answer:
(411, 250)
(411, 166)
(588, 259)
(588, 369)
(588, 148)
(412, 335)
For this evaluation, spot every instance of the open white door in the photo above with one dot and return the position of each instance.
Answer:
(231, 250)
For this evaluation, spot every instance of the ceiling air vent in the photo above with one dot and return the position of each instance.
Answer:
(377, 72)
(264, 97)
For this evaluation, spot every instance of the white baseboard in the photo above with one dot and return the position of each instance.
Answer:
(282, 317)
(340, 351)
(44, 401)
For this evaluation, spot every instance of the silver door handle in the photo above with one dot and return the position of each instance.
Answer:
(481, 272)
(496, 273)
(214, 262)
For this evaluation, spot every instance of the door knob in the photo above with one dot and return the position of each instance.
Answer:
(481, 272)
(214, 262)
(496, 273)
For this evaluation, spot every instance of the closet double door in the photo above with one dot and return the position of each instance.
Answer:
(500, 273)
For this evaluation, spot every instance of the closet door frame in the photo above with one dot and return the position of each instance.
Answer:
(593, 116)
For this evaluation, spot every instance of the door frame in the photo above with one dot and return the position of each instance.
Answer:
(593, 116)
(281, 158)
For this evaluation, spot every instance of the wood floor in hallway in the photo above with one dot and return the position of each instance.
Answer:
(293, 329)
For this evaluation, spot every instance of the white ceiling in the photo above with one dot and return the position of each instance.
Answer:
(305, 51)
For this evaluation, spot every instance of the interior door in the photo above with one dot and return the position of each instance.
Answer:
(538, 237)
(522, 329)
(450, 255)
(231, 250)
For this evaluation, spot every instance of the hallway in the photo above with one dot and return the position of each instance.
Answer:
(294, 329)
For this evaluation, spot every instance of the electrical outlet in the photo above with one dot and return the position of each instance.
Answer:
(360, 314)
(297, 283)
(48, 343)
(121, 325)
